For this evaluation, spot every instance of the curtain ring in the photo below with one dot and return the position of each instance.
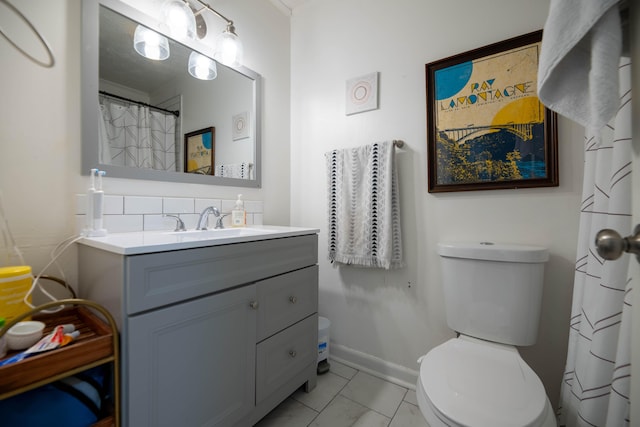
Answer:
(51, 61)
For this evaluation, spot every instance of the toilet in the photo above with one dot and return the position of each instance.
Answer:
(493, 295)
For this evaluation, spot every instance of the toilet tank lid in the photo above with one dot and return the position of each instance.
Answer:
(490, 251)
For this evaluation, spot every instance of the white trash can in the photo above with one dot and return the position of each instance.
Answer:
(323, 338)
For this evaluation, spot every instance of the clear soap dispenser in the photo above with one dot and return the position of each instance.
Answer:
(238, 214)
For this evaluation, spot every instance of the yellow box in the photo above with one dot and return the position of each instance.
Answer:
(15, 282)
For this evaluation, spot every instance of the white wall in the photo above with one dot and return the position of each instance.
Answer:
(385, 320)
(40, 125)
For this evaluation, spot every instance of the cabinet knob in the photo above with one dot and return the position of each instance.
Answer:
(293, 299)
(292, 353)
(253, 305)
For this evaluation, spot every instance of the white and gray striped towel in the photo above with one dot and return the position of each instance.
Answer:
(364, 207)
(234, 170)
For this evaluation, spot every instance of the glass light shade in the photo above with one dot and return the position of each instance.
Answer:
(201, 67)
(228, 49)
(180, 19)
(150, 44)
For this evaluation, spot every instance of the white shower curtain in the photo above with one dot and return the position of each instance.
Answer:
(133, 135)
(596, 384)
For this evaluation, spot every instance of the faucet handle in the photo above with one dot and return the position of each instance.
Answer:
(179, 223)
(219, 219)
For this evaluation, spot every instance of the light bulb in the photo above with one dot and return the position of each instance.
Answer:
(202, 67)
(179, 18)
(150, 44)
(228, 48)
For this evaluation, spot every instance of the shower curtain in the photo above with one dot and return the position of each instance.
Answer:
(596, 383)
(134, 135)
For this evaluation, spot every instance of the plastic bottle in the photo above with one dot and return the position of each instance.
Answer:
(238, 214)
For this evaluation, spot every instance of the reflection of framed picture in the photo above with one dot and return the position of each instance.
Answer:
(486, 127)
(240, 126)
(362, 94)
(199, 149)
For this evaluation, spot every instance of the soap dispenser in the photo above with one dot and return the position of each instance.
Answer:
(238, 214)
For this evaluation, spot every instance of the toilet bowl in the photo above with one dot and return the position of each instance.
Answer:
(493, 295)
(471, 382)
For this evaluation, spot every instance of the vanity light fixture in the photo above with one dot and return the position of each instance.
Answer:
(228, 49)
(179, 18)
(201, 67)
(181, 22)
(150, 44)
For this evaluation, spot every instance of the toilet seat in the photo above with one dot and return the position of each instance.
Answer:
(471, 382)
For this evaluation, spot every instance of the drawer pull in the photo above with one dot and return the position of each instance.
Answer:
(292, 353)
(253, 305)
(293, 299)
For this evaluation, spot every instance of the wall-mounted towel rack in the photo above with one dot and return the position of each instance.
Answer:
(398, 143)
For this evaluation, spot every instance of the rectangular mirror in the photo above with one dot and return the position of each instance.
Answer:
(137, 111)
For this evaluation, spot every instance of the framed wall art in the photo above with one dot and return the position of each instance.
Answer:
(240, 126)
(199, 151)
(486, 127)
(362, 94)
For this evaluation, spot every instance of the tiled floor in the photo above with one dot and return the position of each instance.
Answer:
(347, 397)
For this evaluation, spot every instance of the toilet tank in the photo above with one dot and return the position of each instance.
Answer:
(493, 291)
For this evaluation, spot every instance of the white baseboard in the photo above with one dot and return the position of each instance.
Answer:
(375, 366)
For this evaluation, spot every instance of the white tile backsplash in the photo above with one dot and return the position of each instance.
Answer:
(123, 223)
(124, 214)
(113, 205)
(200, 204)
(142, 205)
(177, 205)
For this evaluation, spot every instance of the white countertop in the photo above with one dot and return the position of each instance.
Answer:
(144, 242)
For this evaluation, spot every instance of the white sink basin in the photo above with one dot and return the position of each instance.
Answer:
(143, 242)
(219, 233)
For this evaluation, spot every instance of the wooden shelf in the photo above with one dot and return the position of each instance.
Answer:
(96, 345)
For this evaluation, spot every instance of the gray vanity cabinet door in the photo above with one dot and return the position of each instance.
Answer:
(193, 364)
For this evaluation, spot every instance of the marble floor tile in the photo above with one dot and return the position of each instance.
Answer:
(411, 397)
(341, 369)
(289, 413)
(408, 415)
(375, 393)
(343, 412)
(328, 386)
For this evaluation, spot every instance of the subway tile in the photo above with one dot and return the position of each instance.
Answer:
(254, 206)
(190, 220)
(158, 222)
(81, 204)
(178, 205)
(123, 223)
(142, 205)
(113, 205)
(228, 205)
(201, 204)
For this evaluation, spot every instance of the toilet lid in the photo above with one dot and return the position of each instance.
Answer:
(477, 383)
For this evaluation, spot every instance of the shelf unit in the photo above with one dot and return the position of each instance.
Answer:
(97, 344)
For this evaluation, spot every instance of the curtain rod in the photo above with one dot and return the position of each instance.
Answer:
(175, 113)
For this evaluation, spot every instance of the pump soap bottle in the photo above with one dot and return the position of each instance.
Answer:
(238, 214)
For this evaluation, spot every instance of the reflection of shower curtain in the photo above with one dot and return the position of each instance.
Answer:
(133, 135)
(596, 384)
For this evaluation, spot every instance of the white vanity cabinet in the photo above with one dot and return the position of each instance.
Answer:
(211, 336)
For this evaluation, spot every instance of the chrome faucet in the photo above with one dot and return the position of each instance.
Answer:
(204, 217)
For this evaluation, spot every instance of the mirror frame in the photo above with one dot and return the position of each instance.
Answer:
(89, 102)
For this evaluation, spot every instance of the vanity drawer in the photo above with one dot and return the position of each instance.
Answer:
(160, 279)
(284, 300)
(281, 357)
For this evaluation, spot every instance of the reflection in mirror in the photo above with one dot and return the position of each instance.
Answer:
(144, 109)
